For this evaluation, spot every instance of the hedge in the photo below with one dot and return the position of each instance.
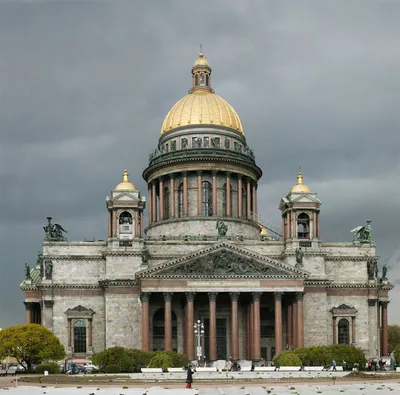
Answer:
(321, 356)
(132, 360)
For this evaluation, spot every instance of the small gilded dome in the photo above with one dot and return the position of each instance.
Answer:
(201, 107)
(125, 185)
(300, 187)
(201, 61)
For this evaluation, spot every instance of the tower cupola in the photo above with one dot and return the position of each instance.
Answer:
(201, 74)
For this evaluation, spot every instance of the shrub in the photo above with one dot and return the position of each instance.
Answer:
(118, 356)
(351, 355)
(51, 367)
(112, 369)
(162, 360)
(287, 358)
(397, 355)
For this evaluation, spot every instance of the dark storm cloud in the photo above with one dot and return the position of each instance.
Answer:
(85, 85)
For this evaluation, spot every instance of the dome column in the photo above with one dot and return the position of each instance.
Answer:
(172, 196)
(153, 201)
(136, 234)
(228, 194)
(150, 203)
(248, 184)
(240, 197)
(254, 198)
(199, 181)
(185, 195)
(214, 192)
(161, 194)
(141, 223)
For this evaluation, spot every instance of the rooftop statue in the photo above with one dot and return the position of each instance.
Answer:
(27, 271)
(145, 254)
(384, 273)
(222, 228)
(54, 232)
(363, 234)
(299, 256)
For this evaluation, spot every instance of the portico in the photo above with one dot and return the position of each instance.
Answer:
(251, 308)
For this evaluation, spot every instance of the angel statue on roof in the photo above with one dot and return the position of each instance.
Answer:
(363, 234)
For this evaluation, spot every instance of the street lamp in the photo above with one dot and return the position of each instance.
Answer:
(199, 332)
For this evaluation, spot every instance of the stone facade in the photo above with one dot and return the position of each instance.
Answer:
(207, 255)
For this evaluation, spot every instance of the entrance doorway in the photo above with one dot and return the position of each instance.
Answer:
(222, 338)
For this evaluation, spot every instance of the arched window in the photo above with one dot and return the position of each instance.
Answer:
(180, 200)
(201, 79)
(159, 330)
(196, 80)
(224, 213)
(166, 203)
(244, 203)
(80, 337)
(206, 199)
(207, 80)
(343, 332)
(303, 226)
(125, 225)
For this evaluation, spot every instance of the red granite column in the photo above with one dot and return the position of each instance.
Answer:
(149, 204)
(199, 180)
(334, 330)
(278, 322)
(353, 330)
(256, 329)
(167, 321)
(185, 195)
(136, 234)
(385, 339)
(153, 202)
(115, 233)
(141, 223)
(213, 326)
(254, 198)
(172, 196)
(300, 320)
(90, 333)
(235, 325)
(145, 297)
(283, 229)
(251, 334)
(228, 194)
(109, 224)
(289, 337)
(294, 323)
(161, 194)
(28, 311)
(214, 192)
(69, 329)
(190, 325)
(248, 185)
(240, 197)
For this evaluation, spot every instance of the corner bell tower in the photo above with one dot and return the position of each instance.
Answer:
(125, 213)
(300, 215)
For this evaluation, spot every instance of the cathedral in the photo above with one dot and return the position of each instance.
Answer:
(207, 257)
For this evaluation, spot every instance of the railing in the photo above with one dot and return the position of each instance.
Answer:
(125, 243)
(271, 227)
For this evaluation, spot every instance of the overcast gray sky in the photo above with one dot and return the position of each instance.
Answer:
(85, 85)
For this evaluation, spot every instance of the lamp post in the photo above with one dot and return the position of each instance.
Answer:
(199, 332)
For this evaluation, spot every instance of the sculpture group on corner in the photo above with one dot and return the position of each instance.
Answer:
(54, 232)
(363, 234)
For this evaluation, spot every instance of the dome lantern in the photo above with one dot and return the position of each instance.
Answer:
(300, 187)
(201, 74)
(125, 185)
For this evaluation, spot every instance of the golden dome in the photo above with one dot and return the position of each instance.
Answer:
(125, 185)
(264, 231)
(300, 187)
(201, 107)
(201, 61)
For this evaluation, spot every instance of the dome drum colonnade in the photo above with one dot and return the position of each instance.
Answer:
(250, 302)
(202, 166)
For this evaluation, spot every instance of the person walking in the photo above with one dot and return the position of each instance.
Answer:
(333, 365)
(189, 377)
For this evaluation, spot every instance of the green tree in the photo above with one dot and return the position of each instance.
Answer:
(393, 337)
(29, 344)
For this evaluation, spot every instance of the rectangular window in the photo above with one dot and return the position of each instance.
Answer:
(194, 139)
(206, 142)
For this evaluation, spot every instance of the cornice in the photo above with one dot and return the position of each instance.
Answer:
(224, 277)
(349, 285)
(69, 286)
(118, 283)
(122, 253)
(75, 257)
(356, 258)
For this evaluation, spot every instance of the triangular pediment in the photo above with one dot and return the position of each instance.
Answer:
(125, 196)
(223, 260)
(304, 198)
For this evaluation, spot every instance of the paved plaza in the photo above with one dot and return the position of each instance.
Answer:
(290, 389)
